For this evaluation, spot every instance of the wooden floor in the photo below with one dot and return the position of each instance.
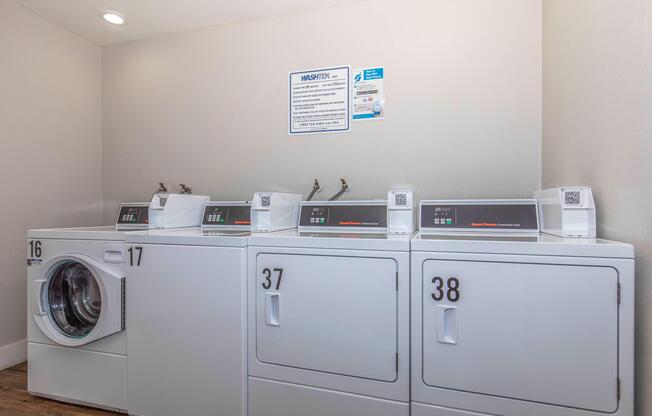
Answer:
(15, 401)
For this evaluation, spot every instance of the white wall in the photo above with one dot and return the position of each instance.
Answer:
(597, 131)
(209, 107)
(50, 148)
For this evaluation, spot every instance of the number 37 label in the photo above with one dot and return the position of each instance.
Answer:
(272, 278)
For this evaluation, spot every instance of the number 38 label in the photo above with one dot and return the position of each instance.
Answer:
(449, 289)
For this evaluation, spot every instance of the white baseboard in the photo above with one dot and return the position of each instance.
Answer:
(13, 354)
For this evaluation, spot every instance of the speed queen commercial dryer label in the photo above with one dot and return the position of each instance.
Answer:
(320, 101)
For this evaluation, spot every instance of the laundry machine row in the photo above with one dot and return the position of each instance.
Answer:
(479, 313)
(505, 320)
(188, 310)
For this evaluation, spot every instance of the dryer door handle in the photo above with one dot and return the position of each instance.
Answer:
(272, 309)
(447, 324)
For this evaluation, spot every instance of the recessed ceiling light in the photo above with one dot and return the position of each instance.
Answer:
(113, 18)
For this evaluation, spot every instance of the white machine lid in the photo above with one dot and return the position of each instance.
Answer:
(191, 237)
(106, 233)
(332, 240)
(526, 244)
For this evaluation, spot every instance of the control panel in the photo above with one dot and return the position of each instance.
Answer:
(472, 215)
(133, 215)
(364, 214)
(227, 215)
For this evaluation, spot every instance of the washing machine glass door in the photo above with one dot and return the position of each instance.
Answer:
(74, 299)
(80, 300)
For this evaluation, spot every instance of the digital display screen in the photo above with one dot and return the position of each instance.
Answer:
(227, 215)
(137, 215)
(354, 216)
(480, 217)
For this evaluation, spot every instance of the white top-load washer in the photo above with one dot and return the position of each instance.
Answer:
(507, 321)
(187, 310)
(76, 308)
(329, 312)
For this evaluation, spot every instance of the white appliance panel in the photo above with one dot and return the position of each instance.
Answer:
(272, 398)
(514, 320)
(317, 317)
(418, 409)
(78, 376)
(187, 320)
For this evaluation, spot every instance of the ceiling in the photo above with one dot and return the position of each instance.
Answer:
(146, 18)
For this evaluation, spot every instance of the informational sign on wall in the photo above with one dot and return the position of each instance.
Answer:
(320, 101)
(368, 94)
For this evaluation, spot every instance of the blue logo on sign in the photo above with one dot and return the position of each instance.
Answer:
(358, 77)
(374, 73)
(313, 77)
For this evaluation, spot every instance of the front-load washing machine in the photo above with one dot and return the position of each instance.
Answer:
(76, 309)
(187, 310)
(76, 347)
(329, 312)
(507, 321)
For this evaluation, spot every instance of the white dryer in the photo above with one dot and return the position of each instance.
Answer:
(329, 313)
(187, 310)
(507, 321)
(76, 305)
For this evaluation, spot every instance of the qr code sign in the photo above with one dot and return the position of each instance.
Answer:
(265, 200)
(572, 197)
(400, 199)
